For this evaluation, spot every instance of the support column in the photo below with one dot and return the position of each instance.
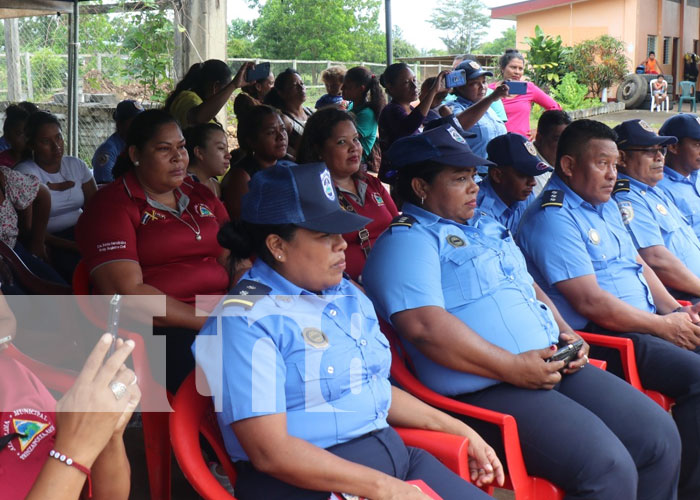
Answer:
(204, 35)
(14, 75)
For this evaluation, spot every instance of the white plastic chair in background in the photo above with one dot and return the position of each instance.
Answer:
(664, 103)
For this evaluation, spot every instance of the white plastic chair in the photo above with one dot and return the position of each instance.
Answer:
(653, 105)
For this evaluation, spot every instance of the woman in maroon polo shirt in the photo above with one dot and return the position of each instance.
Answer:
(330, 136)
(153, 231)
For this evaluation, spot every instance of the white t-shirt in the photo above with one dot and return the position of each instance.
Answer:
(67, 205)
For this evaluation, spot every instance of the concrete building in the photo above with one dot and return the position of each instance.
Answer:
(670, 28)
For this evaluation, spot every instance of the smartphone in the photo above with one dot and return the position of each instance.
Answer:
(456, 78)
(568, 352)
(257, 72)
(113, 321)
(517, 88)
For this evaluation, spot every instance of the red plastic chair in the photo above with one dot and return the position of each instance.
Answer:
(156, 434)
(194, 415)
(29, 281)
(524, 486)
(625, 347)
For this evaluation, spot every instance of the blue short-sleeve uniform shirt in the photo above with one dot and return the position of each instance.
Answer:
(579, 239)
(321, 359)
(488, 127)
(488, 201)
(652, 219)
(684, 192)
(474, 271)
(105, 156)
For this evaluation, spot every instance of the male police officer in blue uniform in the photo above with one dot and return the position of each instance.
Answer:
(661, 234)
(106, 154)
(507, 190)
(581, 254)
(456, 288)
(681, 181)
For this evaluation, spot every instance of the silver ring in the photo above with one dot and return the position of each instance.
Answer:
(136, 379)
(118, 389)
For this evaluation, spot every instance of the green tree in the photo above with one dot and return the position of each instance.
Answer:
(500, 44)
(343, 30)
(402, 47)
(149, 42)
(600, 62)
(463, 22)
(240, 39)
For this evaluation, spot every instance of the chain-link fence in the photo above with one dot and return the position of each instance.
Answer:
(127, 51)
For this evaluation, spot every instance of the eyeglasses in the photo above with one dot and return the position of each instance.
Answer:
(649, 152)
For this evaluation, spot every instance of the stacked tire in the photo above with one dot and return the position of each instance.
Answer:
(634, 90)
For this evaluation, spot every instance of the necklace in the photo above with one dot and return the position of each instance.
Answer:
(196, 230)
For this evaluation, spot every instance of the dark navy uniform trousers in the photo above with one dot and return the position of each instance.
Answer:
(593, 435)
(675, 372)
(381, 450)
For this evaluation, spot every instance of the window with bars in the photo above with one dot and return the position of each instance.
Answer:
(667, 50)
(651, 44)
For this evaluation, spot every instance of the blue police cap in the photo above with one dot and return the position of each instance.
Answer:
(514, 150)
(450, 119)
(472, 69)
(126, 109)
(681, 126)
(639, 133)
(302, 195)
(444, 145)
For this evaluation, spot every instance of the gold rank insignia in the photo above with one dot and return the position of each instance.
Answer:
(593, 236)
(315, 338)
(455, 241)
(662, 209)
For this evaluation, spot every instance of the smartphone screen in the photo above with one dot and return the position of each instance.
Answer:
(517, 88)
(258, 72)
(455, 78)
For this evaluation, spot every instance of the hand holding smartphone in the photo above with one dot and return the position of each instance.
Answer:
(567, 353)
(456, 78)
(257, 72)
(516, 87)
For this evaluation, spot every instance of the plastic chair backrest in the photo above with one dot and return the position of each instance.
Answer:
(524, 486)
(155, 424)
(687, 89)
(194, 415)
(29, 281)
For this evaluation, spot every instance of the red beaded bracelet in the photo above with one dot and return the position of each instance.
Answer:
(69, 461)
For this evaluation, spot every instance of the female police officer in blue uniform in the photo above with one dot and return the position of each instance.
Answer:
(455, 286)
(302, 383)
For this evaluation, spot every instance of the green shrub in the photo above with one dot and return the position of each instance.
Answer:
(600, 62)
(572, 95)
(49, 72)
(545, 59)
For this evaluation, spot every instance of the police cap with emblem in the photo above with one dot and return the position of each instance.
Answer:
(639, 133)
(444, 145)
(126, 109)
(681, 126)
(302, 195)
(472, 69)
(514, 150)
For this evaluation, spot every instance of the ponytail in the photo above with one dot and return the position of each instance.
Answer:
(198, 77)
(245, 240)
(363, 76)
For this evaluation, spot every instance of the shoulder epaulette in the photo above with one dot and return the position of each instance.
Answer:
(621, 185)
(246, 293)
(553, 198)
(403, 221)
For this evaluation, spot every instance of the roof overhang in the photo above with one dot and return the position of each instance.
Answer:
(24, 8)
(513, 10)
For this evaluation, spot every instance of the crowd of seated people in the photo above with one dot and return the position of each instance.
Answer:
(495, 253)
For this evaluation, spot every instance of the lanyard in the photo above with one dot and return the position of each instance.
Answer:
(362, 234)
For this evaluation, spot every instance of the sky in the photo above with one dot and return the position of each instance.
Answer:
(410, 15)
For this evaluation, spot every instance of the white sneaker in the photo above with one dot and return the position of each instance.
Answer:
(218, 471)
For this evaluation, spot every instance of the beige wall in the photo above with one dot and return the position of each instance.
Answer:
(637, 19)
